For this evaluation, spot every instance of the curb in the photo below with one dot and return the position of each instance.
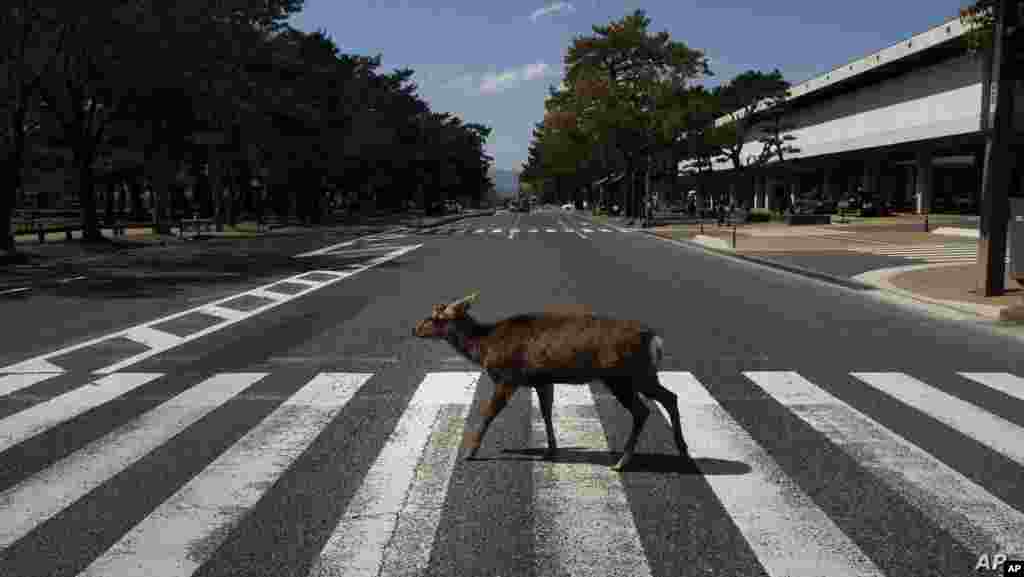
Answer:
(1008, 314)
(818, 275)
(880, 279)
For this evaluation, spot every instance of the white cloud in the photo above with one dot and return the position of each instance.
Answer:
(494, 83)
(463, 82)
(552, 9)
(536, 70)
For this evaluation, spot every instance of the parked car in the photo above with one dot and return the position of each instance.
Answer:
(568, 206)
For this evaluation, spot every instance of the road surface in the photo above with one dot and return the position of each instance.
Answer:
(286, 422)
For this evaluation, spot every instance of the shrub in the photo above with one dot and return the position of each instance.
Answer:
(760, 215)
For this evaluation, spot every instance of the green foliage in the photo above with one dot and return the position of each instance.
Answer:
(760, 215)
(147, 75)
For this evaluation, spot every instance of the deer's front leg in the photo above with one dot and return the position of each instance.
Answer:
(489, 409)
(546, 397)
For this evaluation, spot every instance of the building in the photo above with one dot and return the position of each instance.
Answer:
(904, 123)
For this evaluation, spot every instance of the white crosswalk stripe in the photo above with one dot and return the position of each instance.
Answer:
(936, 489)
(462, 230)
(223, 491)
(952, 252)
(582, 511)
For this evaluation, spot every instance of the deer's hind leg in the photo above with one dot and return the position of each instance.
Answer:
(623, 390)
(651, 387)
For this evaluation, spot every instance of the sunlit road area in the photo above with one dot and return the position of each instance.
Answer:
(287, 422)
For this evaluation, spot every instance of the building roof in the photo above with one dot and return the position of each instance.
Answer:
(916, 44)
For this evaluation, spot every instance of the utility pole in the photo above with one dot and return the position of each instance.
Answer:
(995, 180)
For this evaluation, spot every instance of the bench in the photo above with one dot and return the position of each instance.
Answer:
(198, 223)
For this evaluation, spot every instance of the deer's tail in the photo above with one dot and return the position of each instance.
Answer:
(657, 351)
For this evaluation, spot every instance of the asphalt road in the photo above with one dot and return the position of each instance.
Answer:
(307, 432)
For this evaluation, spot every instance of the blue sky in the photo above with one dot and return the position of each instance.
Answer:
(492, 61)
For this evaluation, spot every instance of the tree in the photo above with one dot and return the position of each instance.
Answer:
(32, 37)
(618, 73)
(749, 97)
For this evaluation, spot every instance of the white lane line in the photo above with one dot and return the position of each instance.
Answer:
(269, 294)
(588, 230)
(13, 383)
(152, 338)
(582, 520)
(15, 290)
(211, 503)
(67, 280)
(478, 231)
(37, 418)
(496, 231)
(222, 312)
(359, 544)
(42, 363)
(990, 430)
(45, 494)
(605, 230)
(364, 251)
(937, 490)
(1005, 383)
(533, 230)
(550, 230)
(333, 247)
(788, 532)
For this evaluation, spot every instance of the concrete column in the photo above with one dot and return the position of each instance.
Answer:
(908, 185)
(924, 180)
(828, 184)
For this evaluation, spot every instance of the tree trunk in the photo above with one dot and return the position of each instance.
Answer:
(7, 211)
(217, 181)
(13, 168)
(109, 202)
(163, 180)
(136, 191)
(87, 196)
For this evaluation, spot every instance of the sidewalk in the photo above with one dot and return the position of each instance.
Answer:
(945, 273)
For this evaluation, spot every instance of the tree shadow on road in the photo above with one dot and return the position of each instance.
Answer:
(642, 462)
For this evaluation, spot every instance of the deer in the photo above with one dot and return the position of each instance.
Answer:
(568, 346)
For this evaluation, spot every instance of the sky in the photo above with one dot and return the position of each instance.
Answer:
(492, 61)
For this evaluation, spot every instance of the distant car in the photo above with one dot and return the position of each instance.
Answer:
(567, 207)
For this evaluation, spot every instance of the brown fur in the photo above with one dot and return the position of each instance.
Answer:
(563, 345)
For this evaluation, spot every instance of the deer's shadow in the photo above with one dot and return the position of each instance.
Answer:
(641, 462)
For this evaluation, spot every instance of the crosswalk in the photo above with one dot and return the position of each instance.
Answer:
(583, 513)
(950, 252)
(506, 231)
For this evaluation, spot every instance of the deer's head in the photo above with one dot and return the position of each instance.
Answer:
(439, 324)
